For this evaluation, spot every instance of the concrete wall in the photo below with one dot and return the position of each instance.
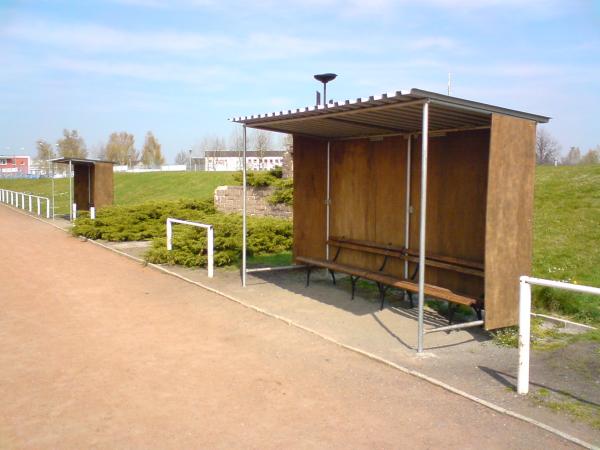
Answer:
(228, 199)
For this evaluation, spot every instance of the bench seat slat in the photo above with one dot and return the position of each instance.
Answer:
(390, 280)
(430, 290)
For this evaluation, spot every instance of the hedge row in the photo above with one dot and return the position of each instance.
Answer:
(148, 222)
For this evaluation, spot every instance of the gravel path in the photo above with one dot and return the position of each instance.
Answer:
(98, 351)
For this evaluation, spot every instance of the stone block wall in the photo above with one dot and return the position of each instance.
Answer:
(228, 199)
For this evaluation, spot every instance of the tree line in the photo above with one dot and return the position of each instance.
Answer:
(120, 149)
(547, 151)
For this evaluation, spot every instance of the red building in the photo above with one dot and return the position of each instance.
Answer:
(14, 165)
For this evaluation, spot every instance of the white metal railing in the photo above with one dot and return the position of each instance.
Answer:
(17, 199)
(210, 239)
(525, 321)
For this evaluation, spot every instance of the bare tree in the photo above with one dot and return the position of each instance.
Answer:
(72, 145)
(546, 148)
(182, 157)
(120, 148)
(236, 144)
(151, 153)
(45, 152)
(573, 157)
(592, 156)
(262, 143)
(287, 142)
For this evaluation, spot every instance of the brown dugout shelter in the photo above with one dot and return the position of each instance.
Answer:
(415, 183)
(91, 182)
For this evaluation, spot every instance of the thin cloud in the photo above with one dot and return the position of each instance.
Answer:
(97, 38)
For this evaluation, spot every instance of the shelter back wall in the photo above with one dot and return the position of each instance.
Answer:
(368, 192)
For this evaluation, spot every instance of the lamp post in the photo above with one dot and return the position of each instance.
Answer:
(325, 78)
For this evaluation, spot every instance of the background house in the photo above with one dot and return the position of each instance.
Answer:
(15, 166)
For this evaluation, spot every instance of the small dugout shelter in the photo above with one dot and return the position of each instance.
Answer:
(445, 182)
(91, 182)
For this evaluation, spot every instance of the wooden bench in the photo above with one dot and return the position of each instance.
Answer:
(385, 281)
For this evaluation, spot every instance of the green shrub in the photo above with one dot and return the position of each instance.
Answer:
(260, 178)
(148, 222)
(283, 193)
(284, 187)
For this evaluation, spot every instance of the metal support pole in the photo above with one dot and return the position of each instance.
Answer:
(53, 207)
(524, 336)
(407, 209)
(328, 200)
(71, 189)
(244, 225)
(211, 258)
(423, 225)
(89, 186)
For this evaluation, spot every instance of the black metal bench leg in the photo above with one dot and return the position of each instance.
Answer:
(353, 280)
(332, 275)
(477, 309)
(382, 290)
(410, 299)
(451, 310)
(308, 270)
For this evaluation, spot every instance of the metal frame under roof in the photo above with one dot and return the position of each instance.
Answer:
(386, 114)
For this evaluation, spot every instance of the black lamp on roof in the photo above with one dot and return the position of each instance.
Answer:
(324, 78)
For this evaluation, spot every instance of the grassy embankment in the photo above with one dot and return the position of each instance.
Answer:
(567, 238)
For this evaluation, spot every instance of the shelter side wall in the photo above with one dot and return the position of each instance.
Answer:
(310, 171)
(456, 204)
(368, 196)
(103, 185)
(509, 230)
(81, 186)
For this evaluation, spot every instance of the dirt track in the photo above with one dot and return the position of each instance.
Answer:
(97, 351)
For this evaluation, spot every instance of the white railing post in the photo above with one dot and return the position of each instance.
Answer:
(16, 201)
(74, 213)
(525, 283)
(22, 200)
(169, 235)
(211, 258)
(92, 213)
(30, 204)
(524, 335)
(48, 209)
(39, 206)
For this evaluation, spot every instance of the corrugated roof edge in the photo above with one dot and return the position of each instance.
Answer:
(470, 104)
(80, 160)
(378, 100)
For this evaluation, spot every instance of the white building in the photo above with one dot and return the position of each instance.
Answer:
(222, 161)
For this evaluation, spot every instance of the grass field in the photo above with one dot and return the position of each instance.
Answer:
(566, 222)
(133, 188)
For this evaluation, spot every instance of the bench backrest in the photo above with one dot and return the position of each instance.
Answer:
(432, 260)
(368, 247)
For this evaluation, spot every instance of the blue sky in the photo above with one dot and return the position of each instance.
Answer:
(181, 68)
